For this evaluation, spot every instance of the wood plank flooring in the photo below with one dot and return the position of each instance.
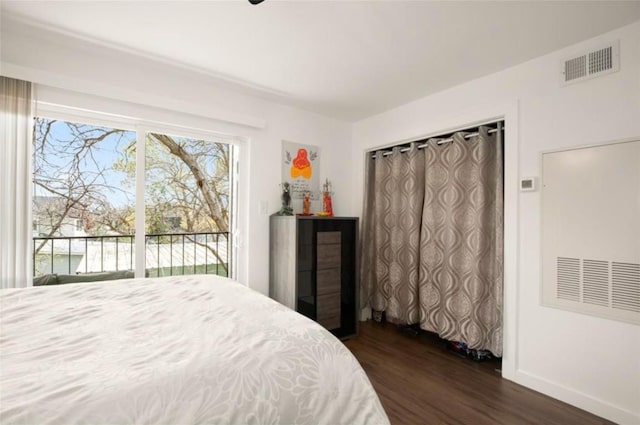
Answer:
(420, 382)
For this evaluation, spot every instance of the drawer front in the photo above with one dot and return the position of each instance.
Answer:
(328, 256)
(328, 310)
(329, 237)
(328, 281)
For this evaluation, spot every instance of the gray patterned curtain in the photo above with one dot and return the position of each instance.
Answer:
(432, 238)
(461, 241)
(392, 240)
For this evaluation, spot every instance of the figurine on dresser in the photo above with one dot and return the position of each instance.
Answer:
(286, 200)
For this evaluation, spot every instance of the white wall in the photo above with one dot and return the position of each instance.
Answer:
(82, 74)
(586, 361)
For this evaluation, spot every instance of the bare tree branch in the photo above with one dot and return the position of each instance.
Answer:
(200, 177)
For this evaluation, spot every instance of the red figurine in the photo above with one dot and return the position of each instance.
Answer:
(327, 206)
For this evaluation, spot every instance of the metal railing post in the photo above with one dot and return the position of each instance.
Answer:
(130, 252)
(52, 243)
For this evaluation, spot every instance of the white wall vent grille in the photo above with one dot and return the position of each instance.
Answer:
(575, 68)
(601, 60)
(591, 282)
(568, 279)
(625, 282)
(590, 230)
(595, 282)
(592, 63)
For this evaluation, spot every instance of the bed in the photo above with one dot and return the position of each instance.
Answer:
(180, 350)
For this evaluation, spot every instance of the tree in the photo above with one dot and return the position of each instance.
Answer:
(190, 177)
(187, 180)
(71, 181)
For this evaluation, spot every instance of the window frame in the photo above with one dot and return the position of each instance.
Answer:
(142, 127)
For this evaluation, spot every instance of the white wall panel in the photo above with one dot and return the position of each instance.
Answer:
(591, 230)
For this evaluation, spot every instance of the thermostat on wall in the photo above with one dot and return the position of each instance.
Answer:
(528, 184)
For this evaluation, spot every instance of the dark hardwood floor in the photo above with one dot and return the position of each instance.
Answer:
(420, 382)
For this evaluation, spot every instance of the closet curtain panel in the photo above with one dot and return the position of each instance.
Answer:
(461, 241)
(16, 127)
(432, 235)
(394, 216)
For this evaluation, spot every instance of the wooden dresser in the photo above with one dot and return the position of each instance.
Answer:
(313, 269)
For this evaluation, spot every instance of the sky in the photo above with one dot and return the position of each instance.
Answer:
(118, 186)
(106, 152)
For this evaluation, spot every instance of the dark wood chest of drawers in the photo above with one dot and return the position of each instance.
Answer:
(313, 269)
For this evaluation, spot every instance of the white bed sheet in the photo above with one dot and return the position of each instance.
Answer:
(180, 350)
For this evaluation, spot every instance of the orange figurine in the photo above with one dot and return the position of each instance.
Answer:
(306, 205)
(300, 165)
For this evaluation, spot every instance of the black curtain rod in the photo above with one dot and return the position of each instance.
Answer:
(444, 138)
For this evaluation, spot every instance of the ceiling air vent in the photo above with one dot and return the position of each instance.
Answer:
(575, 68)
(592, 63)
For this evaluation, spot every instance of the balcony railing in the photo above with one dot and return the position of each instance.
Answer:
(166, 254)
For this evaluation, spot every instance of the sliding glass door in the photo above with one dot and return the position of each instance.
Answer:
(186, 205)
(93, 193)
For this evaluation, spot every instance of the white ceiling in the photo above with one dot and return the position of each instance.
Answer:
(343, 59)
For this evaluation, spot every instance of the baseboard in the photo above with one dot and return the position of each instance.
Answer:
(577, 399)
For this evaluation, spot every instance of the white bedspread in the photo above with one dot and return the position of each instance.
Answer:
(181, 350)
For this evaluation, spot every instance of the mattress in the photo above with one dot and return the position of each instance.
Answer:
(179, 350)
